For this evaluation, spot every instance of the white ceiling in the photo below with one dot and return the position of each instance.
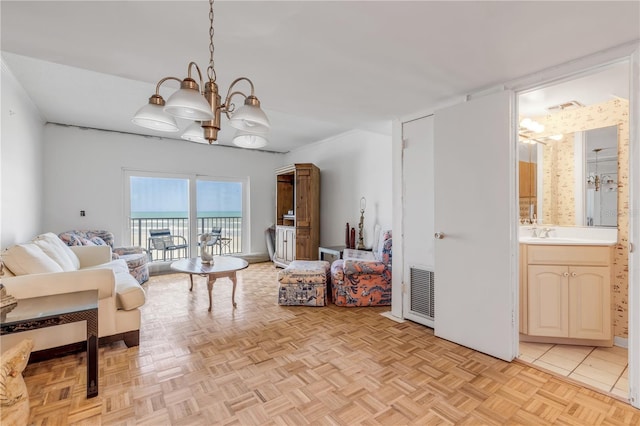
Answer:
(320, 68)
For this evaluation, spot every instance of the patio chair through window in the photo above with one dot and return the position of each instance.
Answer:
(162, 240)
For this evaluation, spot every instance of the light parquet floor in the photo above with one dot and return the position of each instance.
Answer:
(262, 363)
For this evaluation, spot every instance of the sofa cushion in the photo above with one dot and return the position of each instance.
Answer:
(58, 251)
(28, 258)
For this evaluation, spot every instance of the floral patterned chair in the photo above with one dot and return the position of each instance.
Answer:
(137, 258)
(363, 278)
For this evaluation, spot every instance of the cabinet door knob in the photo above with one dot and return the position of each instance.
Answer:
(565, 274)
(573, 274)
(438, 235)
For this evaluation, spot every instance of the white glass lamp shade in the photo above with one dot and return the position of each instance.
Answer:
(250, 118)
(152, 116)
(189, 104)
(194, 133)
(249, 140)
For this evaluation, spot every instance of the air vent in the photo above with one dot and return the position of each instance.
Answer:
(422, 289)
(565, 106)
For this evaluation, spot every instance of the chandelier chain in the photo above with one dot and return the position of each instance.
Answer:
(211, 72)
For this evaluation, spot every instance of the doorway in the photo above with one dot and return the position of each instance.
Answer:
(569, 192)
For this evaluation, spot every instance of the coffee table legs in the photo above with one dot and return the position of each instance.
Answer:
(212, 279)
(233, 291)
(210, 283)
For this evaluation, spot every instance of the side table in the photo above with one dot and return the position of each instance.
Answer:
(335, 251)
(47, 311)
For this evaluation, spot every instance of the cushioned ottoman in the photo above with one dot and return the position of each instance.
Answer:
(304, 283)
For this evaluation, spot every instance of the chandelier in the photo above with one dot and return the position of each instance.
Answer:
(593, 180)
(204, 108)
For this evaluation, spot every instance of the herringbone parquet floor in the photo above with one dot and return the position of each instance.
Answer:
(267, 364)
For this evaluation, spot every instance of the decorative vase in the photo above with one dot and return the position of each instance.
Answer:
(352, 241)
(206, 249)
(347, 239)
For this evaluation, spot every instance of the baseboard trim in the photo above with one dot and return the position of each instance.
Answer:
(621, 342)
(389, 315)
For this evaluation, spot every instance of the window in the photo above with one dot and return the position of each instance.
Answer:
(157, 201)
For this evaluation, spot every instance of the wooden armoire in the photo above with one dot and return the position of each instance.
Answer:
(297, 213)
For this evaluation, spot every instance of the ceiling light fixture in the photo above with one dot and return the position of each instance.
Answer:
(195, 133)
(205, 108)
(532, 125)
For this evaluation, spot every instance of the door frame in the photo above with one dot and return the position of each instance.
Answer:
(628, 52)
(426, 261)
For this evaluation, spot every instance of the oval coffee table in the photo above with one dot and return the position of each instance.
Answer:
(222, 267)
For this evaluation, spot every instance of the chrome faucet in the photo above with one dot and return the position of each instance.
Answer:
(545, 232)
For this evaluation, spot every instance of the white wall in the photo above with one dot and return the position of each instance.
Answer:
(352, 165)
(84, 171)
(21, 175)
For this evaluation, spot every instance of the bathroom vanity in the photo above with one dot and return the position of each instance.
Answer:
(566, 290)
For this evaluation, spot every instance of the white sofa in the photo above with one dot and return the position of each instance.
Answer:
(46, 266)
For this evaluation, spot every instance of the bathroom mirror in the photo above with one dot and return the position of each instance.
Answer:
(572, 181)
(570, 137)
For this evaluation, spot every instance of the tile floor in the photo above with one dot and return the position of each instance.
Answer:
(603, 368)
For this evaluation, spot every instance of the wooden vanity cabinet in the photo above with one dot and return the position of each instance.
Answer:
(568, 295)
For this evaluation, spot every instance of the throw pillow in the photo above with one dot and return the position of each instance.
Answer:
(97, 241)
(28, 258)
(58, 251)
(386, 252)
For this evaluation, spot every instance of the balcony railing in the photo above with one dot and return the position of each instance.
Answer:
(231, 232)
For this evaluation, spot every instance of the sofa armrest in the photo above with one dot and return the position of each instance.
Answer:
(92, 255)
(34, 285)
(364, 267)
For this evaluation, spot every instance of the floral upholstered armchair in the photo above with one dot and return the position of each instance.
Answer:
(363, 278)
(137, 258)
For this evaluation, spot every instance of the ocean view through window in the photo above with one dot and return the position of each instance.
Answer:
(164, 203)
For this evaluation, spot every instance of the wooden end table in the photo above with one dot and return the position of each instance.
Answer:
(47, 311)
(222, 267)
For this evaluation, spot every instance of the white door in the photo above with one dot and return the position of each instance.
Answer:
(417, 181)
(475, 211)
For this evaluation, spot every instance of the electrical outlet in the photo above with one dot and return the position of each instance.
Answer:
(82, 213)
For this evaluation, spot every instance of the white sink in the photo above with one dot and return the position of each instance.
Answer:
(567, 241)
